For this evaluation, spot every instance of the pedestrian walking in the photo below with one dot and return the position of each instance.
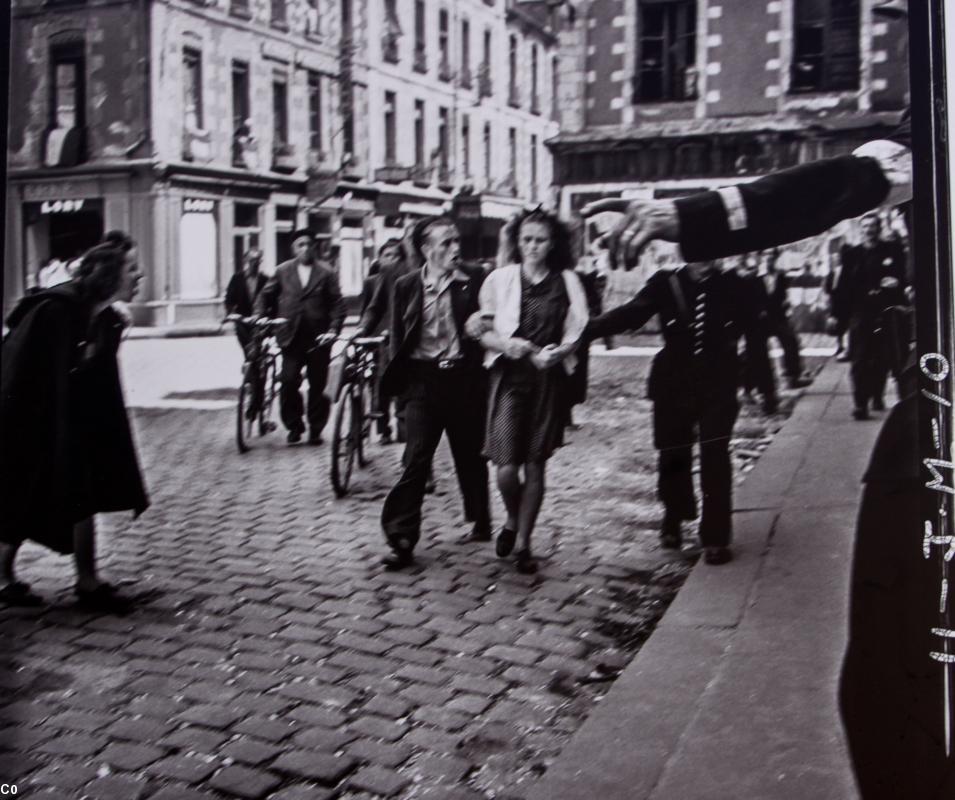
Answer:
(778, 321)
(376, 301)
(305, 292)
(243, 290)
(68, 452)
(834, 287)
(536, 310)
(693, 384)
(437, 371)
(874, 276)
(758, 374)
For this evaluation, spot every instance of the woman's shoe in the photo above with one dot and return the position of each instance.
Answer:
(18, 593)
(506, 540)
(526, 564)
(717, 555)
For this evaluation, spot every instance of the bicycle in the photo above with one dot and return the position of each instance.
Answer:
(356, 405)
(264, 365)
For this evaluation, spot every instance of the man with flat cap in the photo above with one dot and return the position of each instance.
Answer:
(437, 371)
(304, 291)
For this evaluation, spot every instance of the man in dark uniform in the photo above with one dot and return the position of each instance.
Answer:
(243, 290)
(437, 371)
(892, 693)
(304, 291)
(873, 279)
(693, 384)
(757, 365)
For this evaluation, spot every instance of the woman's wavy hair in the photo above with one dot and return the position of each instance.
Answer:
(100, 272)
(561, 254)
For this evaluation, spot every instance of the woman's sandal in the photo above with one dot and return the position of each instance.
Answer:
(526, 564)
(506, 540)
(19, 593)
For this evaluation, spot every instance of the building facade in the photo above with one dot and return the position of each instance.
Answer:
(683, 95)
(206, 127)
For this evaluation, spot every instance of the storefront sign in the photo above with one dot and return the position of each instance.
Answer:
(61, 206)
(195, 205)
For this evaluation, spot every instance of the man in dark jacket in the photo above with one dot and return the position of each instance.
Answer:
(874, 280)
(304, 291)
(693, 383)
(437, 370)
(240, 295)
(778, 322)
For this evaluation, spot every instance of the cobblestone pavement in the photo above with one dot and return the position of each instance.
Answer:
(273, 658)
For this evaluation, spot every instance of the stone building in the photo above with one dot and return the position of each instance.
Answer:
(205, 127)
(682, 95)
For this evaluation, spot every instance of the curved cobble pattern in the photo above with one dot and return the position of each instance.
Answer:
(272, 658)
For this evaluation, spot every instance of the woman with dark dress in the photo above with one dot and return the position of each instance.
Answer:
(68, 451)
(533, 311)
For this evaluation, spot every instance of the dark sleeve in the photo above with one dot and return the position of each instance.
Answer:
(374, 310)
(266, 301)
(231, 295)
(780, 208)
(630, 316)
(336, 304)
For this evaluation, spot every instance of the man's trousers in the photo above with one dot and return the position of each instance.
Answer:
(678, 422)
(315, 361)
(438, 401)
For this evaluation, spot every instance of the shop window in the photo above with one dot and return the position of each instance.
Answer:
(198, 272)
(825, 46)
(246, 215)
(666, 51)
(192, 87)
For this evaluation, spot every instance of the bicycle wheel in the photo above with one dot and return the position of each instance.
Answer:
(344, 439)
(270, 390)
(244, 426)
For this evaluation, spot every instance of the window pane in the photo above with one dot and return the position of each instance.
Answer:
(66, 91)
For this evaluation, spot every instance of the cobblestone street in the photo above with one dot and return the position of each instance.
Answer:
(273, 658)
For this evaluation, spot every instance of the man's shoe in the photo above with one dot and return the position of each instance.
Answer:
(717, 555)
(860, 413)
(670, 536)
(315, 438)
(399, 559)
(506, 540)
(479, 533)
(294, 437)
(18, 593)
(800, 382)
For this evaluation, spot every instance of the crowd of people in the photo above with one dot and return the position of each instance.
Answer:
(493, 359)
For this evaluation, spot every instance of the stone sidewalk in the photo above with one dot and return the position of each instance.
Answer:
(735, 693)
(272, 658)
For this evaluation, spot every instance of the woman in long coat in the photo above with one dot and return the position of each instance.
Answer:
(68, 451)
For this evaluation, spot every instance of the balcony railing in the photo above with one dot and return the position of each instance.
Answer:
(283, 158)
(484, 80)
